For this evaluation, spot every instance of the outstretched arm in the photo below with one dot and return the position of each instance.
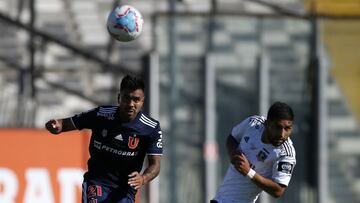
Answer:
(56, 126)
(243, 166)
(137, 180)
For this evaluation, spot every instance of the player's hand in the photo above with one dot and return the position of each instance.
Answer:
(242, 164)
(54, 126)
(136, 180)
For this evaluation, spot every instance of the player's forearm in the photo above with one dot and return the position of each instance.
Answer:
(150, 173)
(268, 185)
(231, 146)
(67, 125)
(56, 126)
(152, 170)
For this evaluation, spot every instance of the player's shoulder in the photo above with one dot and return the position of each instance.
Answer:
(107, 108)
(256, 120)
(251, 123)
(252, 120)
(287, 149)
(147, 121)
(106, 111)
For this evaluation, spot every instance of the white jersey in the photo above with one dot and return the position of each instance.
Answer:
(276, 163)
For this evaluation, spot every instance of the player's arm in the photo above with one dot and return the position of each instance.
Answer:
(273, 188)
(136, 180)
(234, 138)
(154, 153)
(153, 168)
(243, 166)
(56, 126)
(232, 148)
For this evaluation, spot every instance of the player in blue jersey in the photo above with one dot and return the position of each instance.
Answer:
(121, 138)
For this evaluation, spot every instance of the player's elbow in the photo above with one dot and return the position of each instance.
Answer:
(278, 193)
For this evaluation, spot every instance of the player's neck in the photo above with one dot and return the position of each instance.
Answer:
(126, 119)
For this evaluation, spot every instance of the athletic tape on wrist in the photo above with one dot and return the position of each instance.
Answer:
(251, 173)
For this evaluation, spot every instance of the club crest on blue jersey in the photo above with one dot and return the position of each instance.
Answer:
(133, 142)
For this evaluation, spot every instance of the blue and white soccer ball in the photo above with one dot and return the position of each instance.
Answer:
(125, 23)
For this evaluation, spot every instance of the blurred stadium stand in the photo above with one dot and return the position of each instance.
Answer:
(67, 82)
(341, 8)
(342, 41)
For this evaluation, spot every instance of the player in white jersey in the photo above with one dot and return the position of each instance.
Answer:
(262, 157)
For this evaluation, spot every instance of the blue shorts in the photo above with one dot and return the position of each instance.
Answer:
(96, 193)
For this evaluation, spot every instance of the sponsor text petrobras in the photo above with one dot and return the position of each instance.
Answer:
(101, 146)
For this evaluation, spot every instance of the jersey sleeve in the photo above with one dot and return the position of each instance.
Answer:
(85, 119)
(238, 131)
(156, 143)
(283, 169)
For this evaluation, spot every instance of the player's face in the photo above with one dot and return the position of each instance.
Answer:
(130, 103)
(278, 131)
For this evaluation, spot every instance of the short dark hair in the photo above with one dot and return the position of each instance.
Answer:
(280, 111)
(131, 83)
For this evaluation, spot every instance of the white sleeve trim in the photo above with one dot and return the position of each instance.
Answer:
(282, 181)
(154, 154)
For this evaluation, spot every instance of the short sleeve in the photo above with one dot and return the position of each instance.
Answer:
(238, 131)
(283, 169)
(156, 142)
(85, 119)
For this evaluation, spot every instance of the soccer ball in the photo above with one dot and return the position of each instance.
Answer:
(125, 23)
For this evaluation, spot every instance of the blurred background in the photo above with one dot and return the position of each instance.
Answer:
(208, 65)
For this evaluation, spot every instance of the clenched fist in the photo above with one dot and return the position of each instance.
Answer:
(54, 126)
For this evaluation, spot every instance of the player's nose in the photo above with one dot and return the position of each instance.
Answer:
(131, 103)
(283, 134)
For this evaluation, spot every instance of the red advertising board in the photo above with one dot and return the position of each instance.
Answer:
(38, 167)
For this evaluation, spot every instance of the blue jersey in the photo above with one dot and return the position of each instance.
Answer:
(116, 148)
